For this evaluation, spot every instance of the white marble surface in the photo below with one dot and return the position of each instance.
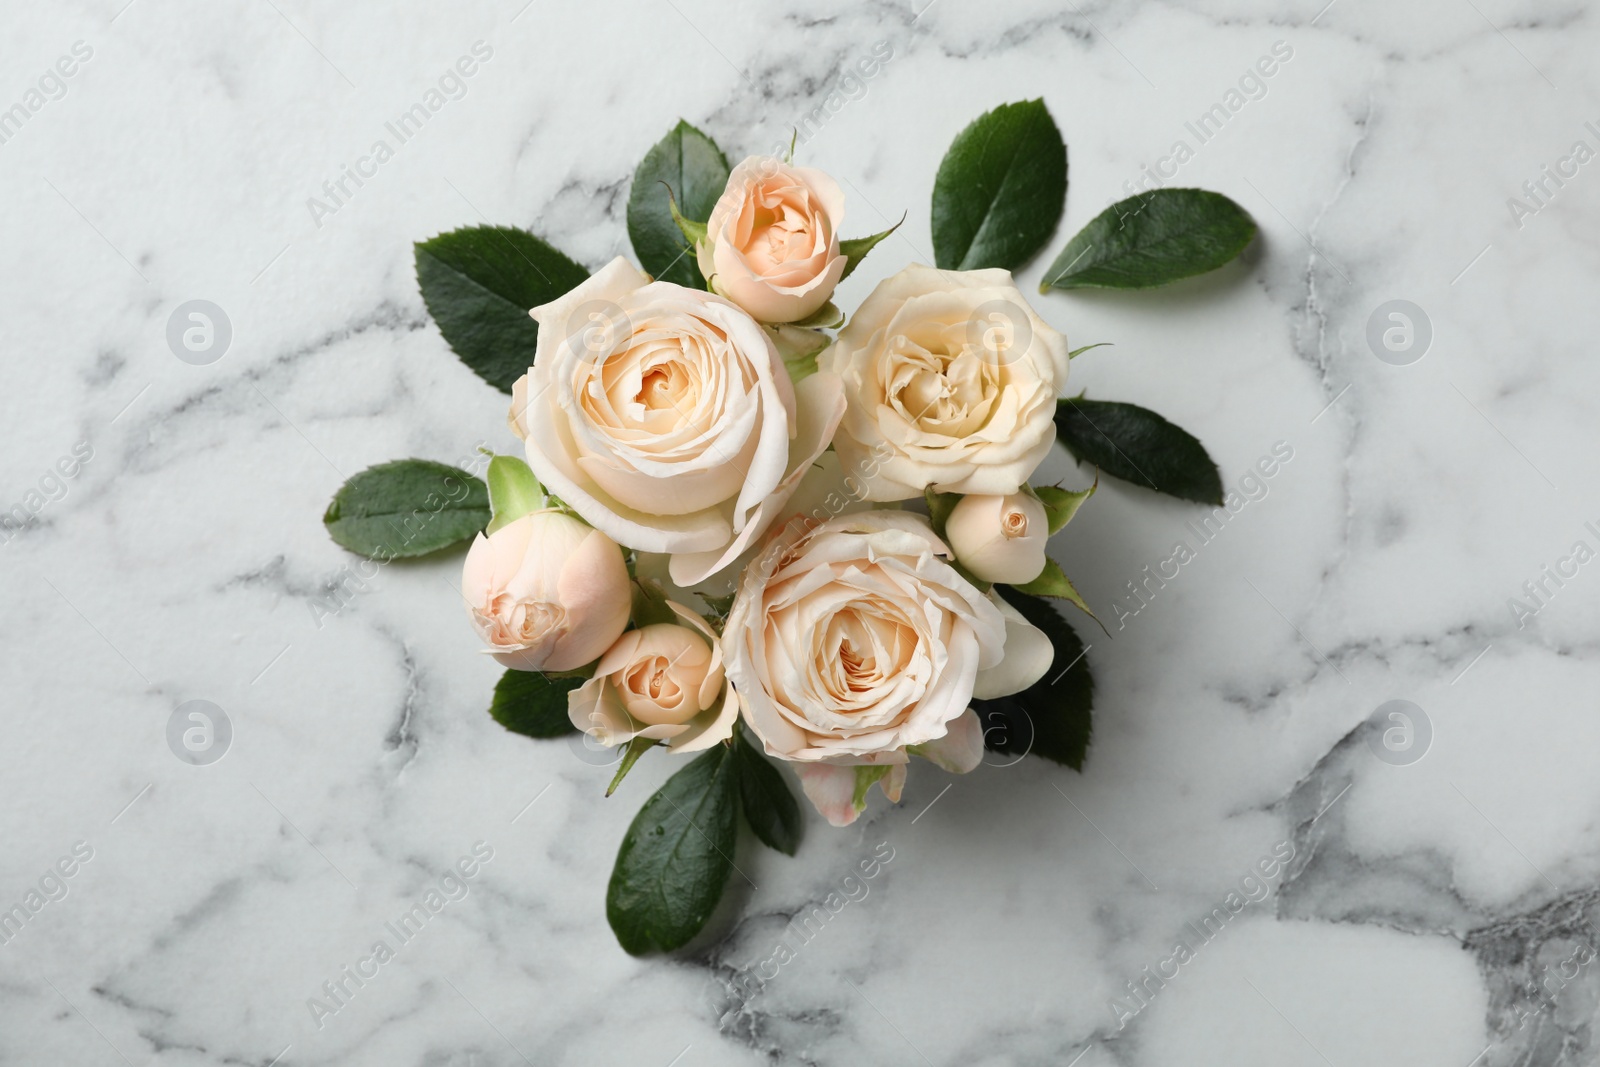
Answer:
(183, 559)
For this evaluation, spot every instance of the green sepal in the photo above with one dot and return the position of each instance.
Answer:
(1053, 582)
(1060, 505)
(865, 777)
(637, 747)
(513, 491)
(856, 249)
(693, 232)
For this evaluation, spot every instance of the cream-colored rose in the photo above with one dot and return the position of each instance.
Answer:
(956, 374)
(856, 644)
(663, 681)
(546, 592)
(772, 242)
(999, 538)
(665, 418)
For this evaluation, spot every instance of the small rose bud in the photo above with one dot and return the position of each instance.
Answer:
(663, 681)
(999, 538)
(772, 242)
(546, 592)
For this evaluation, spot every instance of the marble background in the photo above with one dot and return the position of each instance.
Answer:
(1427, 898)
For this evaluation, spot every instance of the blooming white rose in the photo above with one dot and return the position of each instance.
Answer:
(956, 374)
(664, 681)
(546, 592)
(772, 242)
(999, 538)
(856, 644)
(664, 416)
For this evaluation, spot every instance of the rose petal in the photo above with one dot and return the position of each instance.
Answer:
(1028, 655)
(820, 403)
(960, 749)
(831, 791)
(893, 783)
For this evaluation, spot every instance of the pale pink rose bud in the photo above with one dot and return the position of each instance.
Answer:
(999, 538)
(546, 592)
(665, 682)
(772, 242)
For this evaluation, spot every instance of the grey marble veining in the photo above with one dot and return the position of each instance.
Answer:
(1433, 910)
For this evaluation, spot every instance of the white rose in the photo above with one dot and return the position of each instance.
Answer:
(999, 538)
(772, 242)
(956, 374)
(856, 644)
(546, 592)
(663, 681)
(665, 418)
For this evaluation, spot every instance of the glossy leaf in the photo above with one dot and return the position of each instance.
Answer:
(1152, 239)
(769, 806)
(533, 704)
(685, 168)
(1139, 446)
(1052, 718)
(676, 857)
(1000, 189)
(479, 284)
(407, 508)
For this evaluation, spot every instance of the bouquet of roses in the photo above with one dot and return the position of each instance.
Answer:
(748, 527)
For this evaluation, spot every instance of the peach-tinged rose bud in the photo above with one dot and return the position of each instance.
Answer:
(546, 592)
(999, 538)
(772, 242)
(663, 681)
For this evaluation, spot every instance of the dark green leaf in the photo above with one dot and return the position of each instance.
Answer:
(480, 282)
(533, 704)
(695, 170)
(1137, 445)
(856, 249)
(769, 806)
(676, 857)
(1053, 717)
(1152, 239)
(1000, 188)
(407, 508)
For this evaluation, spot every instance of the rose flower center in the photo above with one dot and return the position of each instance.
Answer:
(942, 392)
(651, 678)
(525, 622)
